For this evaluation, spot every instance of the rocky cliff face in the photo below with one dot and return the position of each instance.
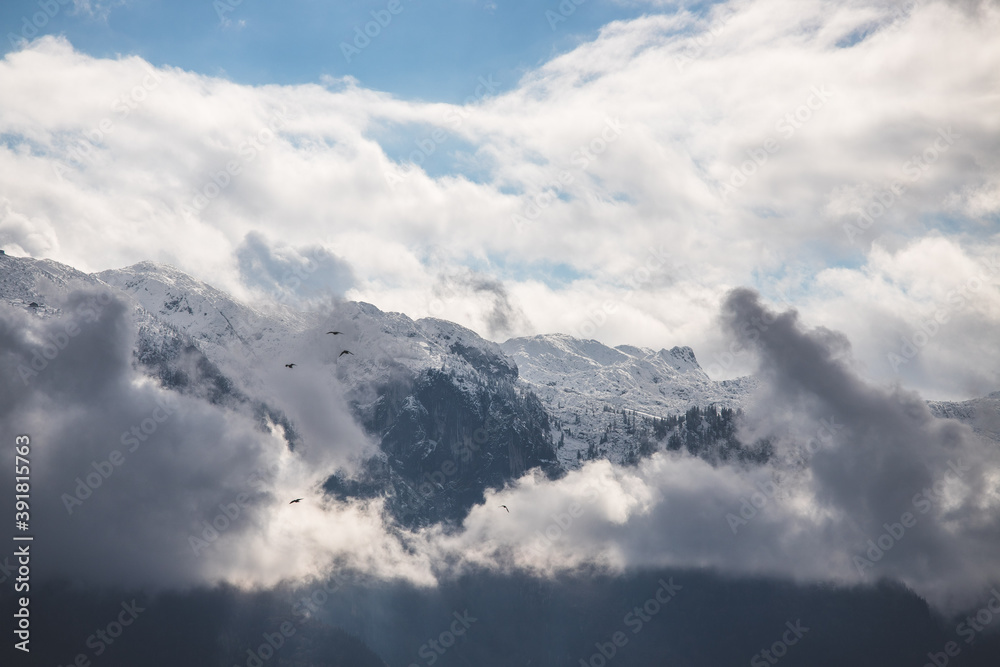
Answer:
(445, 440)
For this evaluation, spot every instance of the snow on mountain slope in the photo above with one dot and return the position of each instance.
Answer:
(245, 341)
(206, 314)
(581, 383)
(578, 381)
(483, 355)
(24, 281)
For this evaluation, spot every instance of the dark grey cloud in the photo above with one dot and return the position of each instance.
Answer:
(886, 456)
(124, 472)
(502, 316)
(177, 457)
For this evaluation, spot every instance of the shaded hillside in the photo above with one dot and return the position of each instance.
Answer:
(446, 438)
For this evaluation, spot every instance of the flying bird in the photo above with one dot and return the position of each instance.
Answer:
(343, 353)
(505, 507)
(335, 333)
(295, 501)
(289, 365)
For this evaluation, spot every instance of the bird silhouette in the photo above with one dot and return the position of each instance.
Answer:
(289, 365)
(335, 333)
(343, 353)
(295, 501)
(505, 507)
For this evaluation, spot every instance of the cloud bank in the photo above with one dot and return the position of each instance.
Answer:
(865, 484)
(816, 150)
(151, 488)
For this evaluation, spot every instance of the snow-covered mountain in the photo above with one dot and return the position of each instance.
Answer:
(41, 287)
(209, 316)
(432, 394)
(579, 381)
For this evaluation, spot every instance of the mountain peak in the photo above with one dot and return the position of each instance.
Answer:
(565, 351)
(681, 358)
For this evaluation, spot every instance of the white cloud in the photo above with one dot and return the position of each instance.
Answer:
(696, 100)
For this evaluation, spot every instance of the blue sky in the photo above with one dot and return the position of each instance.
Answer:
(432, 51)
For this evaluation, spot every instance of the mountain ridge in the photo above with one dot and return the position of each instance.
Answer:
(423, 388)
